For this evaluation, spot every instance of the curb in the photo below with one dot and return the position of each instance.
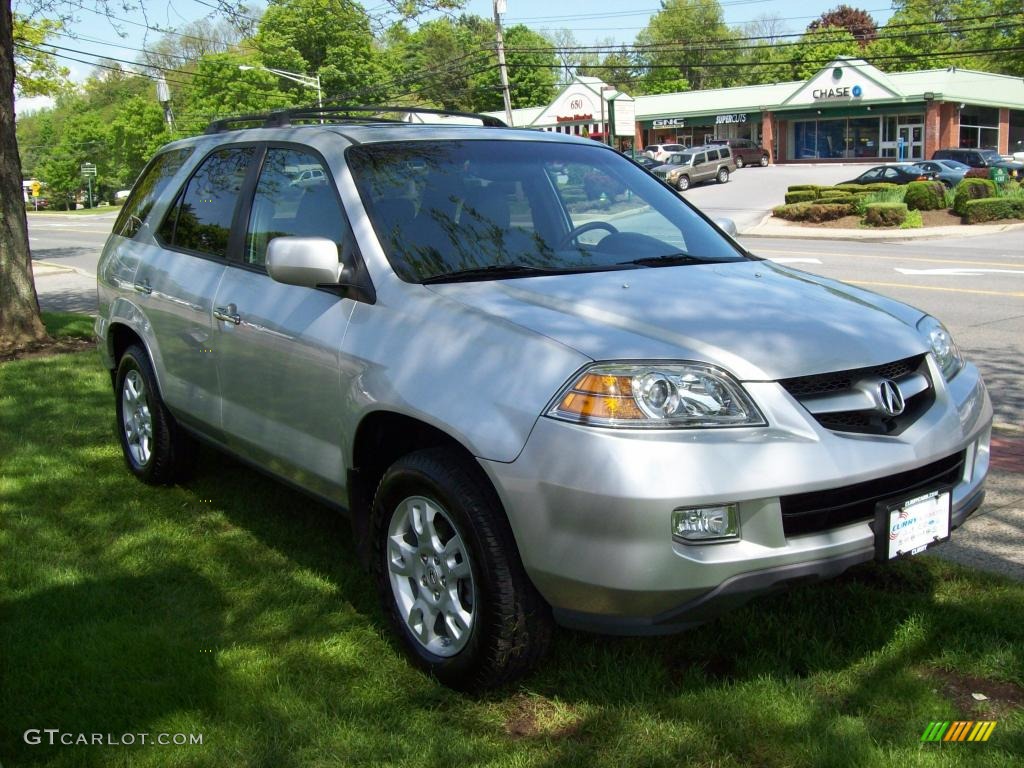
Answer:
(769, 226)
(52, 268)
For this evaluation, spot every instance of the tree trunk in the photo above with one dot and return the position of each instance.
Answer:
(20, 323)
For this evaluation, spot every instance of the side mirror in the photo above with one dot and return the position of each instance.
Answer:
(304, 261)
(728, 226)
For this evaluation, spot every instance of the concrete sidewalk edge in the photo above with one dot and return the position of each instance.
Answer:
(770, 226)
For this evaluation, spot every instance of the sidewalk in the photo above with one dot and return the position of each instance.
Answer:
(64, 289)
(770, 226)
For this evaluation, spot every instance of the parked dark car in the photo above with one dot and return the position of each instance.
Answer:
(645, 162)
(745, 151)
(949, 172)
(981, 158)
(893, 174)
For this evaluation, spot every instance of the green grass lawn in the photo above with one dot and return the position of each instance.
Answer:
(233, 607)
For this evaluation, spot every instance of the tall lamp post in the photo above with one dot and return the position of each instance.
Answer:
(310, 81)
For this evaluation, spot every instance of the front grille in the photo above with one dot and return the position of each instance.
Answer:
(823, 383)
(868, 422)
(824, 510)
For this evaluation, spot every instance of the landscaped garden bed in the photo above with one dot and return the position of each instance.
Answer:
(910, 206)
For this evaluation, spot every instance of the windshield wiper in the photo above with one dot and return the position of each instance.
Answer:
(671, 260)
(497, 271)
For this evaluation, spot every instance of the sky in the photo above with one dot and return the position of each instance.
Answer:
(596, 21)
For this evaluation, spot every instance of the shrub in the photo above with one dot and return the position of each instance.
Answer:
(831, 192)
(971, 189)
(801, 196)
(881, 186)
(993, 209)
(914, 220)
(1010, 189)
(813, 212)
(849, 187)
(925, 195)
(885, 214)
(802, 188)
(977, 173)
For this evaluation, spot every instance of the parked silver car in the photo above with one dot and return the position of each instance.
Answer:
(535, 406)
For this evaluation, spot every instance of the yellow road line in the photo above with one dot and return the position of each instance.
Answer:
(1018, 264)
(1009, 294)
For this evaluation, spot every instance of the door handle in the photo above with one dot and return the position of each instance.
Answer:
(143, 286)
(228, 314)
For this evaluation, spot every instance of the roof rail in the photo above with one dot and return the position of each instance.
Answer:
(281, 118)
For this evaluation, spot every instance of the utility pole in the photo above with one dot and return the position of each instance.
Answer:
(163, 95)
(500, 6)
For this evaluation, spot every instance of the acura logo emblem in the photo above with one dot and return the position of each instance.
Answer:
(890, 398)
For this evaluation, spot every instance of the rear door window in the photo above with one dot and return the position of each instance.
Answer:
(723, 152)
(147, 190)
(201, 219)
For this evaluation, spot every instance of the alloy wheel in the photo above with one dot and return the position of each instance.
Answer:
(431, 576)
(136, 418)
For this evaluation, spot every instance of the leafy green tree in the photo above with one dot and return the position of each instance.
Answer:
(85, 139)
(37, 72)
(136, 132)
(329, 38)
(686, 45)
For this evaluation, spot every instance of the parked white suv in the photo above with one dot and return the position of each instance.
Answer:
(535, 405)
(662, 151)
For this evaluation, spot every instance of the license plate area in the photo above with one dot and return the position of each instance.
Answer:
(909, 525)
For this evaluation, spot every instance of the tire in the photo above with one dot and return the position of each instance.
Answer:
(467, 614)
(683, 183)
(723, 175)
(155, 448)
(739, 161)
(764, 161)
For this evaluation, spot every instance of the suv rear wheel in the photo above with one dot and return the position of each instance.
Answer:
(449, 574)
(156, 449)
(764, 161)
(723, 175)
(739, 161)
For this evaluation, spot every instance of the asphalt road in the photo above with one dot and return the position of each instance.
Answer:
(975, 285)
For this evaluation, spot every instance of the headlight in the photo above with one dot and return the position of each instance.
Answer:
(673, 395)
(942, 345)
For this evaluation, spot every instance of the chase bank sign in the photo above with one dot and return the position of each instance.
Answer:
(839, 92)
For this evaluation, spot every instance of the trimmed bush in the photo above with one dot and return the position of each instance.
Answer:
(801, 196)
(831, 192)
(849, 187)
(802, 188)
(977, 173)
(812, 212)
(925, 195)
(972, 189)
(993, 209)
(914, 220)
(885, 214)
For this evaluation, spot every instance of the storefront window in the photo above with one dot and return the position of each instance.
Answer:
(979, 127)
(859, 137)
(1016, 130)
(863, 137)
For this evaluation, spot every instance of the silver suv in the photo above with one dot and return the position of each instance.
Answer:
(695, 165)
(535, 405)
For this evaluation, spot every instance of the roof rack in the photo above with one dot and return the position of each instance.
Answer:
(281, 118)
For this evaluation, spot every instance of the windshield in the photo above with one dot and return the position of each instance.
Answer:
(990, 155)
(474, 207)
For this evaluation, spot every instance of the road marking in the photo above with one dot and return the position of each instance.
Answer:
(1010, 294)
(959, 271)
(785, 260)
(901, 258)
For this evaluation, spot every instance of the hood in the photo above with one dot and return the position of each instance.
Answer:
(758, 320)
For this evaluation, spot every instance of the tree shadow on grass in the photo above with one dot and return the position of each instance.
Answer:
(107, 656)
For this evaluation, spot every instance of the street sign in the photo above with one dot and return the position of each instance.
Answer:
(88, 169)
(36, 186)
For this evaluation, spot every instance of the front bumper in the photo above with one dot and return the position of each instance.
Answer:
(590, 508)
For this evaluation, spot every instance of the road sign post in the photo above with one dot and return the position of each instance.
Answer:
(89, 171)
(36, 186)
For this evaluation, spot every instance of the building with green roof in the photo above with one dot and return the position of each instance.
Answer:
(849, 111)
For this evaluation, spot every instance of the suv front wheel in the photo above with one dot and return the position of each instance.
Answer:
(683, 183)
(449, 574)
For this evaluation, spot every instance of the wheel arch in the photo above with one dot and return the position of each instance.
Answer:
(381, 438)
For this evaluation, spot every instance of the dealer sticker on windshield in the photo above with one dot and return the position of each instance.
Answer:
(910, 526)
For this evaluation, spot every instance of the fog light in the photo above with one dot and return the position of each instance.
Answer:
(706, 523)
